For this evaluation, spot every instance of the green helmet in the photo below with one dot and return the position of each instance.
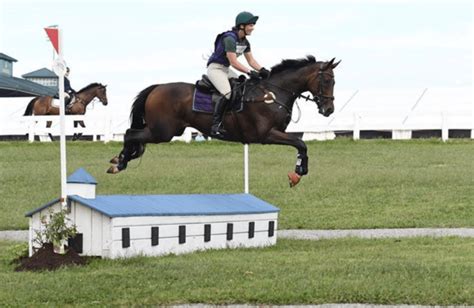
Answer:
(245, 18)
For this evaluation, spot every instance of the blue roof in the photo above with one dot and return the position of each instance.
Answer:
(173, 205)
(52, 202)
(81, 176)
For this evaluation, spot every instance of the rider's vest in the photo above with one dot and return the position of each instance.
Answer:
(219, 54)
(67, 86)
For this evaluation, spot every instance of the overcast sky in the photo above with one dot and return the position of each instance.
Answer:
(132, 44)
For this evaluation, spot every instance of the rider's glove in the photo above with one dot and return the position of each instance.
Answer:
(254, 75)
(264, 73)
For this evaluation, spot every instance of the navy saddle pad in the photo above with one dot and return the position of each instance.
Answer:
(205, 96)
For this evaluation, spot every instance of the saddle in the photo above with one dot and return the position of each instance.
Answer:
(206, 95)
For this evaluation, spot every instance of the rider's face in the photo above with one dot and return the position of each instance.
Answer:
(248, 29)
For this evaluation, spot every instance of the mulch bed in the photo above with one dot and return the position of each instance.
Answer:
(46, 259)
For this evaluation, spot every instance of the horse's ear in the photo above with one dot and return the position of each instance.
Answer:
(336, 64)
(328, 64)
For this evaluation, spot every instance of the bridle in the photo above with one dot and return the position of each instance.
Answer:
(83, 102)
(321, 83)
(316, 98)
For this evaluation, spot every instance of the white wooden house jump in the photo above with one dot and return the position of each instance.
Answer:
(114, 226)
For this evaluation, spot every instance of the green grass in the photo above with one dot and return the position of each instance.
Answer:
(425, 271)
(363, 184)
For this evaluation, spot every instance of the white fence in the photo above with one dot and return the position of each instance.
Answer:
(100, 128)
(105, 129)
(399, 112)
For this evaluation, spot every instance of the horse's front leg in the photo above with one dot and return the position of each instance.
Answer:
(279, 137)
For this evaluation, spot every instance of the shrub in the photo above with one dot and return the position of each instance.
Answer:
(55, 230)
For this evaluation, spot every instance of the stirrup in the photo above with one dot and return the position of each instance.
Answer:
(217, 130)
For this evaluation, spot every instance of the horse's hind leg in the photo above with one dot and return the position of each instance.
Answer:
(133, 147)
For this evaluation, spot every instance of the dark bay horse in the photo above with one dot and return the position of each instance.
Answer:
(163, 111)
(42, 105)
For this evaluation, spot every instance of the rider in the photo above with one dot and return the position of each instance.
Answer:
(69, 92)
(228, 46)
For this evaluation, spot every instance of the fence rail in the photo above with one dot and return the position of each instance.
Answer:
(100, 128)
(106, 129)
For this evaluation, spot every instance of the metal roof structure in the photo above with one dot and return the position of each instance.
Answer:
(41, 73)
(8, 58)
(17, 87)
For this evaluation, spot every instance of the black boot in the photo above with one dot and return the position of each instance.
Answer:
(67, 103)
(217, 130)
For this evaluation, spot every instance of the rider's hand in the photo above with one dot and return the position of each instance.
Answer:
(254, 74)
(264, 73)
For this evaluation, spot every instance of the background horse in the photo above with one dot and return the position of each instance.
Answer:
(163, 111)
(42, 105)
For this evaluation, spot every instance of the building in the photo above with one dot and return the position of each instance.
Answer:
(11, 86)
(43, 77)
(115, 226)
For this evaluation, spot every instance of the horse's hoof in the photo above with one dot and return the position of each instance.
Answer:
(294, 178)
(114, 160)
(113, 170)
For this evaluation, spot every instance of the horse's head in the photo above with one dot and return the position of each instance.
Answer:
(322, 87)
(101, 94)
(88, 93)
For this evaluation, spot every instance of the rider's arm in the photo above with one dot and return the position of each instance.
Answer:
(232, 56)
(251, 61)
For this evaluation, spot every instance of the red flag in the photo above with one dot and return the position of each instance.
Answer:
(53, 34)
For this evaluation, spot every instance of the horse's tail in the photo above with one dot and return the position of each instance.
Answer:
(137, 115)
(29, 108)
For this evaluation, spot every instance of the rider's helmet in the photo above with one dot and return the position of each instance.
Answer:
(245, 18)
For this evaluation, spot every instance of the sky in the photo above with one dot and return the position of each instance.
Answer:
(130, 45)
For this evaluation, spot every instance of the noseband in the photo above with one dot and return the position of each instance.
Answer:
(320, 96)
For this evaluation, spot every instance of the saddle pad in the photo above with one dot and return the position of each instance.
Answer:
(55, 103)
(204, 102)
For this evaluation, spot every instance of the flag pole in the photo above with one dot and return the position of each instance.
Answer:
(59, 67)
(62, 125)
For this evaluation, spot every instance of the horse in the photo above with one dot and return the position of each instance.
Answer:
(42, 105)
(162, 111)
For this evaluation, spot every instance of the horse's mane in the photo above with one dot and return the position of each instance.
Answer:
(293, 64)
(92, 85)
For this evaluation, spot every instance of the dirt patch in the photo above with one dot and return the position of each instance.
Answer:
(46, 259)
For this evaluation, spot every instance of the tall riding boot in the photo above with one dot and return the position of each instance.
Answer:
(67, 100)
(217, 130)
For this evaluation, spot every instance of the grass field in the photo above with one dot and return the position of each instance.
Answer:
(363, 184)
(424, 271)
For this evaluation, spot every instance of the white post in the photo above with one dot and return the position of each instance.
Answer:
(356, 131)
(444, 127)
(62, 124)
(246, 168)
(31, 129)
